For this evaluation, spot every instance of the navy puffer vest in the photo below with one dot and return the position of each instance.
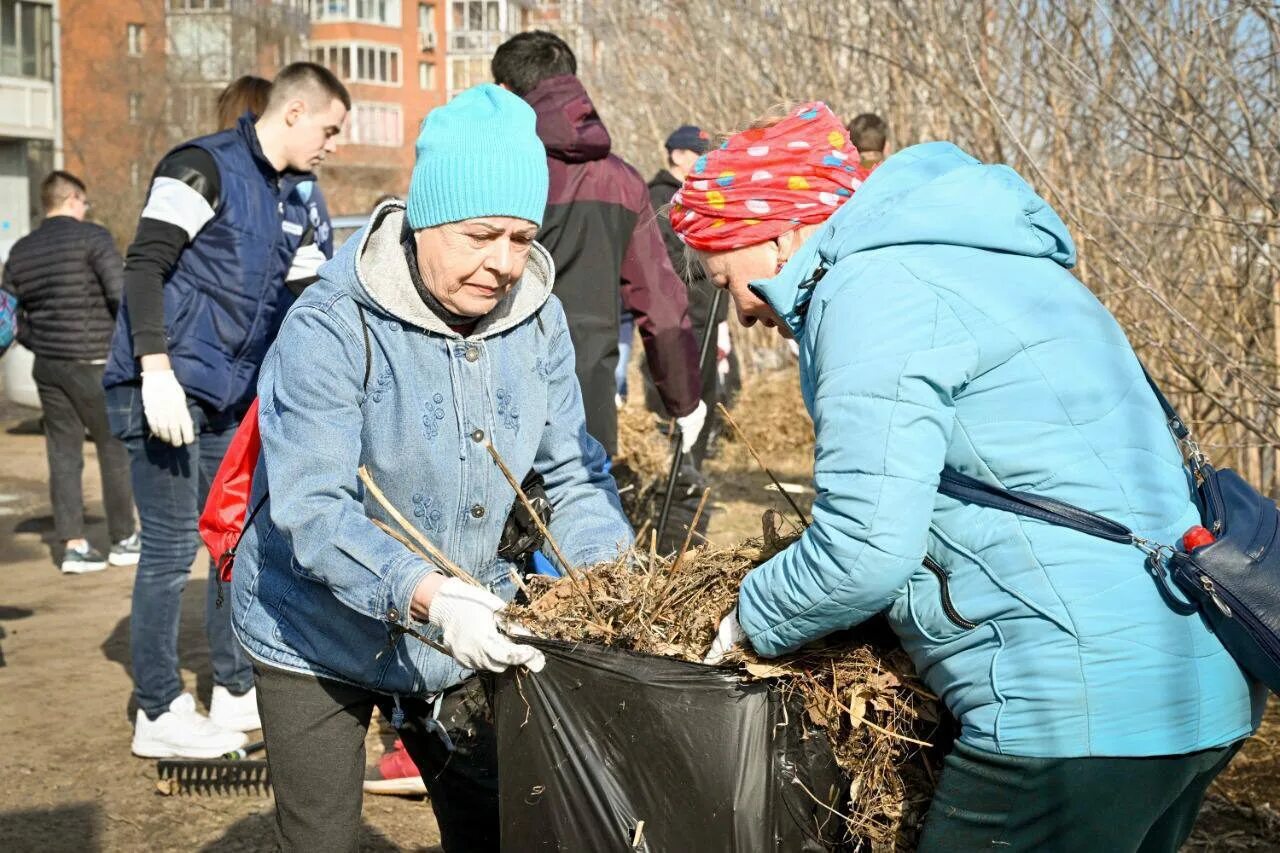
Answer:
(226, 297)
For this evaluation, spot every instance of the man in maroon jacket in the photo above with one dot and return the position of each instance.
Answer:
(605, 241)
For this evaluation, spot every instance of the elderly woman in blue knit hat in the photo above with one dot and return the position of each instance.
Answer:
(432, 333)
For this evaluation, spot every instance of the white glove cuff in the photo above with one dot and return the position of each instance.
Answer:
(455, 597)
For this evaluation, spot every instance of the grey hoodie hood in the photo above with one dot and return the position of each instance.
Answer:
(373, 267)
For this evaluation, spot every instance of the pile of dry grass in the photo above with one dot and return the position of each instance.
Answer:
(642, 461)
(865, 696)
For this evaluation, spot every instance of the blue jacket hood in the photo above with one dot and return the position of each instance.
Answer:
(932, 193)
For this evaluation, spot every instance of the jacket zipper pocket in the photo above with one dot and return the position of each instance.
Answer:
(944, 589)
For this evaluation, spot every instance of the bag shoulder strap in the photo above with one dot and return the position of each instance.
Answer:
(1177, 425)
(964, 488)
(368, 347)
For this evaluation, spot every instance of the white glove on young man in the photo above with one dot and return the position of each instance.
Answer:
(691, 426)
(729, 636)
(164, 404)
(466, 615)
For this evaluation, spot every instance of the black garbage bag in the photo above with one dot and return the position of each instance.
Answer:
(603, 739)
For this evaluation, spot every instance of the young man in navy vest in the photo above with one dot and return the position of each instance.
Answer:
(229, 229)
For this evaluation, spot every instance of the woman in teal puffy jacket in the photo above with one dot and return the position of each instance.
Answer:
(938, 325)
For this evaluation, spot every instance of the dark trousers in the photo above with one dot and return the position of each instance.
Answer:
(72, 398)
(701, 297)
(171, 484)
(986, 801)
(315, 732)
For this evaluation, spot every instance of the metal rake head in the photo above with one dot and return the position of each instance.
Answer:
(213, 776)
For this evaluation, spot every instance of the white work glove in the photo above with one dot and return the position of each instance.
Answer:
(729, 636)
(724, 346)
(467, 616)
(164, 404)
(691, 426)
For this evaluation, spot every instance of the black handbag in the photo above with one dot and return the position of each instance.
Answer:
(1233, 581)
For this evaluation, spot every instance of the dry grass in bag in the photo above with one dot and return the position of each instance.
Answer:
(864, 694)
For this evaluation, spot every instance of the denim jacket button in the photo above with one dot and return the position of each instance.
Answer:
(393, 615)
(472, 353)
(477, 511)
(477, 435)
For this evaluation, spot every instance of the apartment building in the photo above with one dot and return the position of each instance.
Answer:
(28, 112)
(401, 59)
(104, 88)
(475, 29)
(138, 76)
(388, 53)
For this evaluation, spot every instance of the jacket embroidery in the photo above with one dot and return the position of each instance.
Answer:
(426, 508)
(434, 414)
(507, 410)
(381, 386)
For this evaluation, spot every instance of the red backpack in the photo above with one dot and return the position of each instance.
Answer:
(223, 522)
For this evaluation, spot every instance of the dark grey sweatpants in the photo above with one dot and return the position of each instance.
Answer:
(315, 730)
(73, 401)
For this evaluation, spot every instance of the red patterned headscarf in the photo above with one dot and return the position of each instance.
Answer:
(764, 182)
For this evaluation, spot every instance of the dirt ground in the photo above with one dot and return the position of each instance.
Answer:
(69, 782)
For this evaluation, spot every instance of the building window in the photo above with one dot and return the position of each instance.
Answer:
(137, 39)
(477, 15)
(360, 63)
(369, 11)
(200, 48)
(426, 75)
(135, 106)
(477, 25)
(426, 26)
(375, 124)
(467, 71)
(198, 5)
(26, 39)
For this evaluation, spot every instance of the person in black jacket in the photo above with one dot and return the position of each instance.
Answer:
(67, 276)
(685, 144)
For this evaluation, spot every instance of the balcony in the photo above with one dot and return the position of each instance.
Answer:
(476, 41)
(26, 108)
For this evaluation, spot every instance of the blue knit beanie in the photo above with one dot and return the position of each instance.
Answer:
(478, 155)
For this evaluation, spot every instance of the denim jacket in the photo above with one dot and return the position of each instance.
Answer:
(318, 588)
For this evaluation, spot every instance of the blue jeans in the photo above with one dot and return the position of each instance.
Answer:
(626, 336)
(170, 485)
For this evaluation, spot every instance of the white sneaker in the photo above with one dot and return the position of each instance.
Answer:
(126, 552)
(235, 713)
(182, 732)
(81, 560)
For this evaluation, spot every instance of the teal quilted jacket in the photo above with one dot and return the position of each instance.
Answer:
(946, 330)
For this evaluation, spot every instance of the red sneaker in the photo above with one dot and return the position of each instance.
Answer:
(395, 774)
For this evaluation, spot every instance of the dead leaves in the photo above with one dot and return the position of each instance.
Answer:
(865, 698)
